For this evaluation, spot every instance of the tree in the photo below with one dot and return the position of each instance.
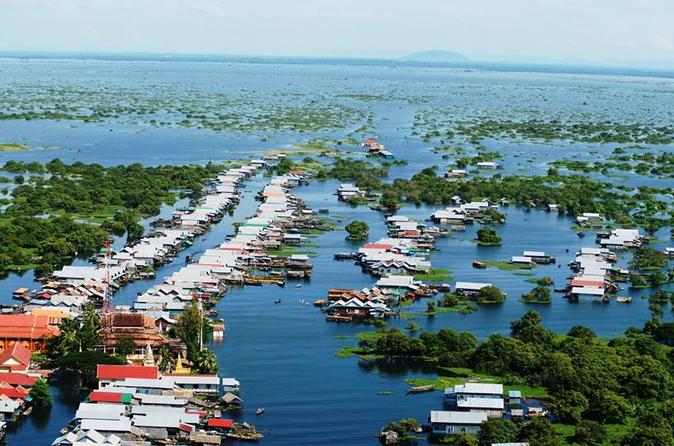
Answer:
(539, 431)
(529, 329)
(568, 406)
(207, 362)
(166, 359)
(490, 295)
(487, 237)
(85, 363)
(589, 433)
(88, 335)
(465, 440)
(187, 327)
(605, 406)
(650, 430)
(125, 347)
(538, 295)
(39, 393)
(497, 431)
(358, 230)
(582, 332)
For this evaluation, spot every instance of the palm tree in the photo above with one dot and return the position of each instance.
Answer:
(67, 341)
(166, 359)
(207, 362)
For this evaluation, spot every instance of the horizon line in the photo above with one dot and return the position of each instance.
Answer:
(502, 62)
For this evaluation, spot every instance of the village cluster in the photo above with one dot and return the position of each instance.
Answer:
(135, 403)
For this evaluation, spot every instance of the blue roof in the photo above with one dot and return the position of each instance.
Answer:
(514, 394)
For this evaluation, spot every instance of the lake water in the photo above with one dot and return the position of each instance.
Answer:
(284, 355)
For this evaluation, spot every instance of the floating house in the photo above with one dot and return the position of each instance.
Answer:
(348, 191)
(622, 239)
(589, 219)
(469, 289)
(455, 422)
(489, 165)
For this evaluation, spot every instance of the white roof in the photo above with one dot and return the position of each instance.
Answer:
(193, 379)
(481, 403)
(590, 290)
(100, 411)
(230, 382)
(396, 281)
(452, 417)
(477, 388)
(475, 286)
(520, 259)
(167, 400)
(533, 254)
(122, 425)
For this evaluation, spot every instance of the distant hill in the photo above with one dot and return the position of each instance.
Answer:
(436, 57)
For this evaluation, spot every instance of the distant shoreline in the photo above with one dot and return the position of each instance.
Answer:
(296, 60)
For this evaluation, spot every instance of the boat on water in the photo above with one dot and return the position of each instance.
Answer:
(277, 301)
(624, 299)
(299, 285)
(479, 265)
(421, 389)
(259, 411)
(580, 234)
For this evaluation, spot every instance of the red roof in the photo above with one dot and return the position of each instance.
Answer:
(377, 246)
(220, 422)
(185, 427)
(18, 353)
(296, 172)
(98, 396)
(411, 233)
(13, 393)
(26, 326)
(581, 282)
(105, 371)
(17, 379)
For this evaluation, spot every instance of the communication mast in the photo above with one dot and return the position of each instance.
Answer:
(107, 295)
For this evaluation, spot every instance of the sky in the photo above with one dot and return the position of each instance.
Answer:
(617, 32)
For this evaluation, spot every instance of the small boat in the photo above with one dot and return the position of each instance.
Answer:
(580, 234)
(422, 389)
(259, 411)
(624, 299)
(277, 301)
(299, 285)
(479, 265)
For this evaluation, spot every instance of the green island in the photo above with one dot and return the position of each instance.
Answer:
(619, 390)
(12, 147)
(63, 211)
(573, 194)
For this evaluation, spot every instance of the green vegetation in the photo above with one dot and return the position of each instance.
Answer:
(456, 303)
(175, 105)
(538, 295)
(402, 428)
(39, 394)
(435, 275)
(622, 387)
(487, 237)
(190, 327)
(74, 347)
(358, 230)
(83, 204)
(12, 147)
(490, 295)
(574, 194)
(438, 123)
(507, 266)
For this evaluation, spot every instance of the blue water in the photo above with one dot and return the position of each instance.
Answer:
(284, 355)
